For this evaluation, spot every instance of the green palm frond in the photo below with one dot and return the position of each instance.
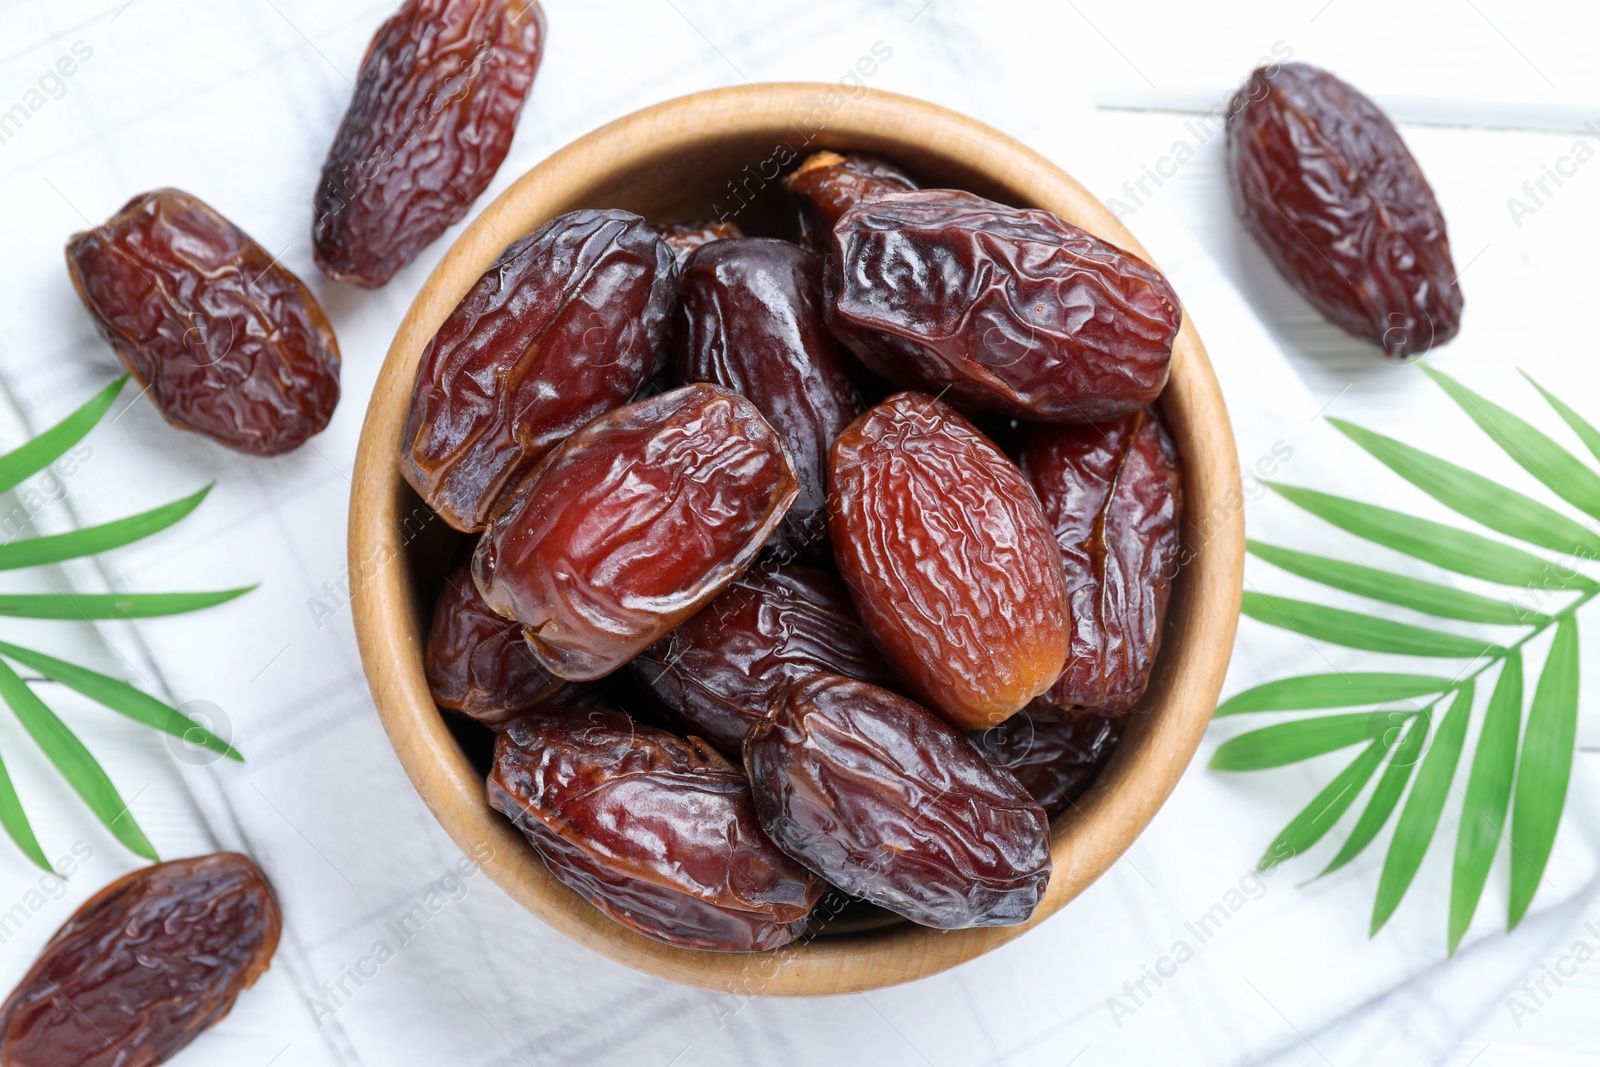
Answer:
(60, 746)
(1518, 774)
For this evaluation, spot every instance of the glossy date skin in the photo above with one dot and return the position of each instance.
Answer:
(1055, 756)
(750, 318)
(478, 663)
(435, 106)
(229, 343)
(685, 237)
(635, 523)
(568, 324)
(1113, 494)
(654, 830)
(949, 561)
(999, 310)
(828, 184)
(719, 673)
(1326, 186)
(144, 966)
(888, 803)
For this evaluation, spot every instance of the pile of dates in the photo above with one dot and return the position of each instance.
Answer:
(801, 565)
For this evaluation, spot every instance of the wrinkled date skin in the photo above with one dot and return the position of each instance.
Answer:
(435, 105)
(1328, 189)
(144, 966)
(1055, 757)
(569, 323)
(228, 342)
(654, 830)
(999, 310)
(750, 318)
(685, 237)
(827, 185)
(634, 524)
(1113, 494)
(720, 672)
(478, 663)
(887, 802)
(949, 561)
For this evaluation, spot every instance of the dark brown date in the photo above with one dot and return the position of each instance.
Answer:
(720, 672)
(685, 237)
(1328, 189)
(144, 966)
(750, 318)
(568, 324)
(478, 663)
(654, 830)
(1001, 310)
(635, 523)
(1113, 494)
(436, 102)
(229, 343)
(887, 802)
(1055, 756)
(949, 561)
(827, 185)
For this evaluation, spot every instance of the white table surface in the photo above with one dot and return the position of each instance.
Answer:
(1485, 91)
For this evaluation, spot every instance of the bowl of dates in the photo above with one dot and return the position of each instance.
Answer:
(796, 539)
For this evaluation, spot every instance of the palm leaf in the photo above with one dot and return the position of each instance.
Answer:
(1580, 425)
(1430, 598)
(1319, 816)
(1355, 630)
(81, 770)
(1483, 812)
(1291, 742)
(1545, 767)
(1384, 798)
(33, 551)
(120, 697)
(1332, 691)
(111, 605)
(1477, 497)
(1433, 542)
(45, 449)
(1420, 816)
(15, 820)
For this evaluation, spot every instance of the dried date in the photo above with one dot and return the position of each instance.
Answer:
(656, 831)
(685, 237)
(228, 342)
(721, 671)
(890, 804)
(569, 323)
(144, 966)
(750, 318)
(1326, 186)
(435, 105)
(478, 663)
(949, 561)
(1055, 756)
(997, 309)
(828, 184)
(632, 525)
(1113, 494)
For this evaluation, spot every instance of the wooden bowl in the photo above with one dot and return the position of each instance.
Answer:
(696, 157)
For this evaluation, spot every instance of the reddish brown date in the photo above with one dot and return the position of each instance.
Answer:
(1113, 494)
(949, 561)
(750, 318)
(654, 830)
(999, 310)
(685, 237)
(887, 802)
(478, 663)
(228, 342)
(436, 102)
(1328, 189)
(569, 323)
(720, 672)
(144, 966)
(827, 185)
(1055, 756)
(633, 525)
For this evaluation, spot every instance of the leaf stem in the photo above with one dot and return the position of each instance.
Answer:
(1501, 653)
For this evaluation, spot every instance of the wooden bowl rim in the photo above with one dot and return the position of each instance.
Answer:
(1086, 841)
